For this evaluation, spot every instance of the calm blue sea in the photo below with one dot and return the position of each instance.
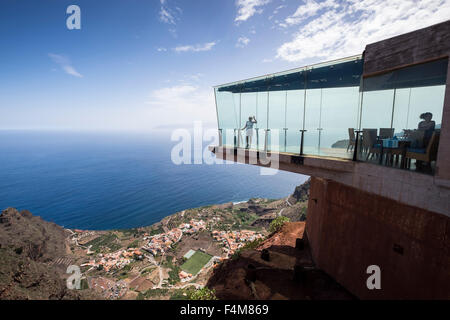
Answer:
(109, 181)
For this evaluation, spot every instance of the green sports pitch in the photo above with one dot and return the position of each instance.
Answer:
(196, 262)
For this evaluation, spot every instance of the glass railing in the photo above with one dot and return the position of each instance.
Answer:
(324, 109)
(305, 100)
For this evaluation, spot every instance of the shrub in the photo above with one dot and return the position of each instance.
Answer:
(277, 223)
(249, 245)
(134, 244)
(202, 294)
(140, 296)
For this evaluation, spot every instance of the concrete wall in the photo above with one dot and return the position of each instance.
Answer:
(408, 187)
(409, 48)
(350, 229)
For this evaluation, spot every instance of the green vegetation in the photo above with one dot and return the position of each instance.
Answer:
(154, 232)
(147, 270)
(245, 218)
(84, 284)
(108, 240)
(248, 246)
(181, 294)
(303, 213)
(152, 293)
(195, 263)
(123, 273)
(174, 270)
(277, 223)
(140, 296)
(202, 294)
(134, 244)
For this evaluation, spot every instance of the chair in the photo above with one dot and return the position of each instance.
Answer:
(369, 143)
(386, 133)
(416, 137)
(427, 154)
(352, 139)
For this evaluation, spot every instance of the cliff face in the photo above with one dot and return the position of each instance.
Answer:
(280, 268)
(301, 192)
(35, 238)
(29, 247)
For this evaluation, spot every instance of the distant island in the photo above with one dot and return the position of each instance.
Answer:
(172, 259)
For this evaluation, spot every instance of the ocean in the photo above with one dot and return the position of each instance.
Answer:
(102, 181)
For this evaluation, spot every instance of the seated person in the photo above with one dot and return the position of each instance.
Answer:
(428, 126)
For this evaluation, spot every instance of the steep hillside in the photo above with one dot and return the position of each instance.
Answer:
(280, 268)
(30, 249)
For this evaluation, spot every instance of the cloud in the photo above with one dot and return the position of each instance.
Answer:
(306, 10)
(161, 49)
(196, 48)
(248, 8)
(168, 15)
(65, 64)
(332, 29)
(242, 42)
(277, 9)
(182, 104)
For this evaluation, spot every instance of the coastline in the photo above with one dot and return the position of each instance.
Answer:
(150, 262)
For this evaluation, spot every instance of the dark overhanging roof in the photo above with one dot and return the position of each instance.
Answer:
(420, 75)
(344, 74)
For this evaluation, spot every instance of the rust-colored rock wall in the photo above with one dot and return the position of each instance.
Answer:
(349, 229)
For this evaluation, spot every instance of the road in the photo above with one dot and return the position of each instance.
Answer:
(281, 211)
(152, 260)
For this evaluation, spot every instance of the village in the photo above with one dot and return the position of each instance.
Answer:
(170, 257)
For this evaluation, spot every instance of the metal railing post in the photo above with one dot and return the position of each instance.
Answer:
(302, 141)
(239, 137)
(285, 138)
(266, 141)
(355, 150)
(220, 138)
(257, 138)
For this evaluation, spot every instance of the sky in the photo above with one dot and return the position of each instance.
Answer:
(140, 65)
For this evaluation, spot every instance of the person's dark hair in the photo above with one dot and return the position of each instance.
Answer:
(424, 115)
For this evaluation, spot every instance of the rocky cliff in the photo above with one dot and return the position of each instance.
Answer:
(281, 268)
(29, 248)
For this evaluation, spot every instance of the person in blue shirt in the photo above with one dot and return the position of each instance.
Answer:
(249, 131)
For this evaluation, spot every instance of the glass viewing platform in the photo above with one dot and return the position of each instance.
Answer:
(332, 110)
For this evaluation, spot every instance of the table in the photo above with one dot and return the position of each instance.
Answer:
(403, 144)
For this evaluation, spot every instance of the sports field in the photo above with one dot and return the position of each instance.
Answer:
(196, 262)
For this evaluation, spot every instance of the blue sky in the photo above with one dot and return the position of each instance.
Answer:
(139, 65)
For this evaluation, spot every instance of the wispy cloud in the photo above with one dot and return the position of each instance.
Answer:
(65, 64)
(181, 104)
(196, 48)
(161, 49)
(242, 42)
(166, 14)
(170, 15)
(248, 8)
(332, 29)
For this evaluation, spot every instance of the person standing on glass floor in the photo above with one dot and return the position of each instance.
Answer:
(249, 131)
